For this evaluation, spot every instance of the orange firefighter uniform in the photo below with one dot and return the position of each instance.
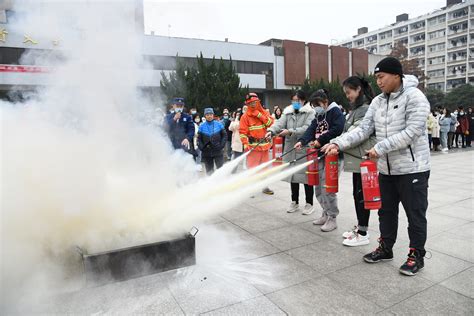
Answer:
(253, 127)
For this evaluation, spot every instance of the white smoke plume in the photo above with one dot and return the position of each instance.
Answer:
(81, 165)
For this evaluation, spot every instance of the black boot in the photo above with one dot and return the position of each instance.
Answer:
(414, 263)
(382, 253)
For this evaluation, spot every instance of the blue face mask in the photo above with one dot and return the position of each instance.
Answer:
(296, 105)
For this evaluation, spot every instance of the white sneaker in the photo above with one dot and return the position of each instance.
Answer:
(356, 240)
(350, 233)
(444, 150)
(308, 209)
(322, 220)
(330, 225)
(293, 207)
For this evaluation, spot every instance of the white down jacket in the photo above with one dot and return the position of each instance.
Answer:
(399, 121)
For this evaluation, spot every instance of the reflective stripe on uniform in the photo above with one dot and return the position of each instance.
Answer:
(255, 127)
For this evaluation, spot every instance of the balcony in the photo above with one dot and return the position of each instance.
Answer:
(457, 16)
(457, 29)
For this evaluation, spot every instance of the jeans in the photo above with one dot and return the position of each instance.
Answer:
(444, 139)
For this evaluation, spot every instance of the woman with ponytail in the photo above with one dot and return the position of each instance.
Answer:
(360, 94)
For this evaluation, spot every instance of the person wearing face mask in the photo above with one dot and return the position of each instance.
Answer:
(193, 112)
(294, 121)
(328, 124)
(252, 129)
(463, 128)
(180, 126)
(398, 118)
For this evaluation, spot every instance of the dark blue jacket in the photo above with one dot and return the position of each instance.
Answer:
(211, 138)
(178, 131)
(325, 127)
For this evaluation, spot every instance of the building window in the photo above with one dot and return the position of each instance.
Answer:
(458, 42)
(385, 47)
(437, 34)
(372, 49)
(436, 60)
(416, 51)
(436, 86)
(457, 56)
(459, 14)
(372, 39)
(436, 47)
(385, 35)
(437, 20)
(436, 73)
(418, 25)
(451, 84)
(457, 28)
(418, 38)
(401, 30)
(457, 70)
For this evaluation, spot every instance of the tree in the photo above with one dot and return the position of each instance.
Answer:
(205, 83)
(410, 66)
(460, 96)
(435, 97)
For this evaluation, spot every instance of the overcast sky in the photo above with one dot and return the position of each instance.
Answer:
(255, 21)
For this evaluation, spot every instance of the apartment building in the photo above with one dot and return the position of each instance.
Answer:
(441, 41)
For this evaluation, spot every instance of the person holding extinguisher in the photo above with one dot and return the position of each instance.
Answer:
(328, 124)
(294, 121)
(360, 94)
(398, 116)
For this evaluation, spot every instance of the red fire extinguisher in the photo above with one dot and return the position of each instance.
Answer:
(370, 185)
(277, 151)
(313, 173)
(331, 166)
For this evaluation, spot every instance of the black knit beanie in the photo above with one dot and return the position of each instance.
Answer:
(390, 65)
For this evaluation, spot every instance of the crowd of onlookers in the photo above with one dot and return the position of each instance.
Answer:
(447, 130)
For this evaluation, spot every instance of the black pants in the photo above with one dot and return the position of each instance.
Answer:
(363, 214)
(209, 163)
(469, 139)
(295, 193)
(412, 191)
(450, 139)
(463, 139)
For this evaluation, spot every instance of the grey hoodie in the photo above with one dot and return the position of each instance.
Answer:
(399, 121)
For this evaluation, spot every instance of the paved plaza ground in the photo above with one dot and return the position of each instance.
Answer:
(258, 260)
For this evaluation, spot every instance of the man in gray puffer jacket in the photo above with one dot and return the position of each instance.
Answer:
(398, 116)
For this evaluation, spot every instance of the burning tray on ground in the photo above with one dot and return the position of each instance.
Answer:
(133, 262)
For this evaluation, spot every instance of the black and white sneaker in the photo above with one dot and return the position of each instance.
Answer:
(414, 263)
(382, 253)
